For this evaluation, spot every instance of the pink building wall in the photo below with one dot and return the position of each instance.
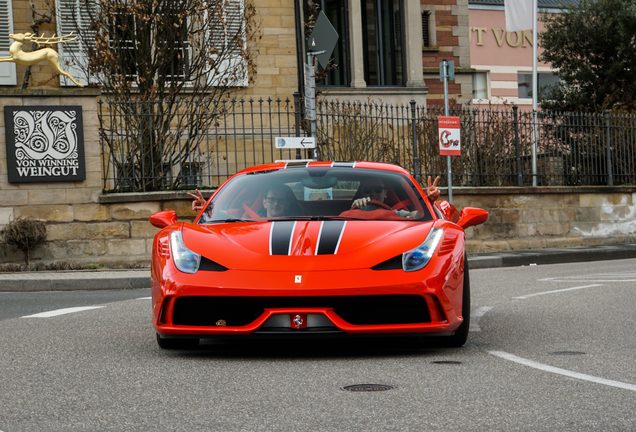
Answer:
(501, 54)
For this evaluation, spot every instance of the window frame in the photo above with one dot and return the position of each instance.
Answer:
(8, 74)
(399, 81)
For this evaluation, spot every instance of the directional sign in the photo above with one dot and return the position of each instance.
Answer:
(294, 143)
(323, 38)
(449, 136)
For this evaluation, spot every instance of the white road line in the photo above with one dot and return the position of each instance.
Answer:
(476, 316)
(586, 280)
(64, 311)
(144, 298)
(595, 277)
(556, 291)
(564, 372)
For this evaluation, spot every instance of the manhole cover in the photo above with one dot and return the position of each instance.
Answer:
(368, 387)
(567, 353)
(447, 362)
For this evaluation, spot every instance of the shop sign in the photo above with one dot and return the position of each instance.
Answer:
(44, 144)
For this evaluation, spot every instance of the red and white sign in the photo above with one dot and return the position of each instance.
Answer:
(449, 136)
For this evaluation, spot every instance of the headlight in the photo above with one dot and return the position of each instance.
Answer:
(417, 258)
(185, 260)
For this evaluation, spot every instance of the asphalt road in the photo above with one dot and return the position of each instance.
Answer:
(551, 348)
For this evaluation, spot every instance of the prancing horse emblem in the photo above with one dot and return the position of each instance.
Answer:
(298, 321)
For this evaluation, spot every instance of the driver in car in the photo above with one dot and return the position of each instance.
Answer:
(376, 191)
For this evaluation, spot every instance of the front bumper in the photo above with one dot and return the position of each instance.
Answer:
(353, 302)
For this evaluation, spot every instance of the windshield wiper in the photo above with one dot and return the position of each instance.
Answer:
(306, 218)
(230, 220)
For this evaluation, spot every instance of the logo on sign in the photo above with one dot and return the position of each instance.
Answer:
(449, 136)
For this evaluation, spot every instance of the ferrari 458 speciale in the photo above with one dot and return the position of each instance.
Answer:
(313, 248)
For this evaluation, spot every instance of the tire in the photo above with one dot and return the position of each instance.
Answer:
(461, 334)
(177, 343)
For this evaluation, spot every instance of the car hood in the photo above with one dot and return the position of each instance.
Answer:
(304, 245)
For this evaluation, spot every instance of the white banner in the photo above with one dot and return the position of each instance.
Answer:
(518, 15)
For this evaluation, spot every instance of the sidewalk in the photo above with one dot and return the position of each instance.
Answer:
(128, 279)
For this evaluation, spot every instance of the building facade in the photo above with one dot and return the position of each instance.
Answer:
(502, 60)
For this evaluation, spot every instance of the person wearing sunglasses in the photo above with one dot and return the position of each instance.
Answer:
(279, 201)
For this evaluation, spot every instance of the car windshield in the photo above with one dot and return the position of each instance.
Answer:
(318, 193)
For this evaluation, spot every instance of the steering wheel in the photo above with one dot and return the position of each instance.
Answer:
(250, 213)
(401, 205)
(377, 203)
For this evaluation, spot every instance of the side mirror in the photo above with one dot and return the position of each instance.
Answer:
(471, 216)
(163, 218)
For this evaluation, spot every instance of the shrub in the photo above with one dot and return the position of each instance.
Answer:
(25, 234)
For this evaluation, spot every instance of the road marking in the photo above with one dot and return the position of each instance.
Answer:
(564, 372)
(595, 277)
(144, 298)
(476, 316)
(64, 311)
(556, 291)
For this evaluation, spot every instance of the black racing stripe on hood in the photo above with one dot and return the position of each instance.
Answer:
(329, 237)
(280, 237)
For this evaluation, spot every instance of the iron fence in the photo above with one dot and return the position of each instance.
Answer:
(496, 144)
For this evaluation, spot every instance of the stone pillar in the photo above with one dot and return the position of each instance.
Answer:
(413, 44)
(355, 45)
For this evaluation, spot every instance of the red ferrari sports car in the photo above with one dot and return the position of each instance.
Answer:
(310, 248)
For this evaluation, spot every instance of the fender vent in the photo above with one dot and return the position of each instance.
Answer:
(163, 247)
(448, 244)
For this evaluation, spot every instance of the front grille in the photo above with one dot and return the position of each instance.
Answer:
(356, 310)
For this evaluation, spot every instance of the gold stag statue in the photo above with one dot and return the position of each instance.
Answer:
(28, 58)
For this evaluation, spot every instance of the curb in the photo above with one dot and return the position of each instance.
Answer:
(552, 256)
(74, 281)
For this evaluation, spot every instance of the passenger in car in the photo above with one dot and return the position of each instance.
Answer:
(278, 201)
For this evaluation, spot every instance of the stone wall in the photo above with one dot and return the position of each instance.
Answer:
(535, 218)
(114, 229)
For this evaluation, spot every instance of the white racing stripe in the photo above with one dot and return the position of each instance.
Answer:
(59, 312)
(564, 372)
(556, 291)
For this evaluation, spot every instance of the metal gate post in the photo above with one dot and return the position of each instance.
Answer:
(416, 158)
(608, 150)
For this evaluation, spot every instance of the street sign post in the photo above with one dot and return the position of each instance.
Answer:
(320, 45)
(446, 72)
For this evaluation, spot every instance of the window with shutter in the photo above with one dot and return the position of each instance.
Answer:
(74, 16)
(227, 36)
(426, 29)
(429, 29)
(170, 35)
(7, 69)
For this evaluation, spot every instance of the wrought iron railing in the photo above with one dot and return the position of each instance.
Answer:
(496, 144)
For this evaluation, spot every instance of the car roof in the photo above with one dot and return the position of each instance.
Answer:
(324, 164)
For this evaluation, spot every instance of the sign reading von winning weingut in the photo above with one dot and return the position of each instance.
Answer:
(44, 143)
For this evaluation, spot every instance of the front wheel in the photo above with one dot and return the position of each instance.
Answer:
(461, 334)
(177, 343)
